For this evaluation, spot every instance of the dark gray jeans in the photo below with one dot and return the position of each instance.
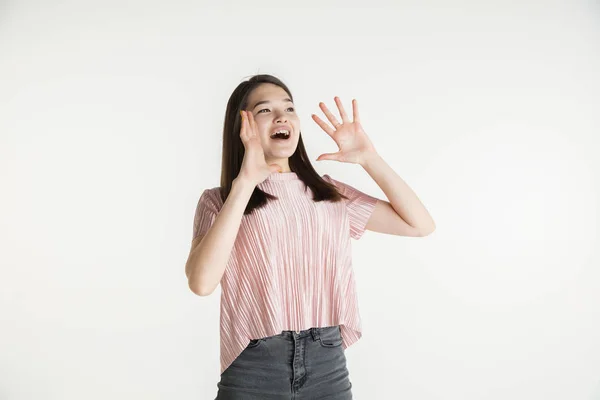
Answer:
(307, 365)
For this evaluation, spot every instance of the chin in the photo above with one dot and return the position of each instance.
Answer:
(279, 154)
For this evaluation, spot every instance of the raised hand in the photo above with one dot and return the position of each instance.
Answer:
(254, 166)
(353, 143)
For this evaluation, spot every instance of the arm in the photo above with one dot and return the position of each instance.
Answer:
(210, 253)
(404, 215)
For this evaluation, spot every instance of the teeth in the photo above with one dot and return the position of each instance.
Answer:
(283, 131)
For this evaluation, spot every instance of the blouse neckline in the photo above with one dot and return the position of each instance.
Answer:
(283, 176)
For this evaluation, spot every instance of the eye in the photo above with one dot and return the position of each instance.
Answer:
(266, 109)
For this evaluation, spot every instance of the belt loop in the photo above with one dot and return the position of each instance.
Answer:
(315, 333)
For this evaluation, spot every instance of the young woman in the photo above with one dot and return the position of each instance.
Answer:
(276, 236)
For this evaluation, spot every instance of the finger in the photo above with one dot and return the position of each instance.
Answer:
(329, 115)
(328, 156)
(341, 109)
(247, 122)
(246, 126)
(323, 125)
(355, 111)
(252, 124)
(243, 133)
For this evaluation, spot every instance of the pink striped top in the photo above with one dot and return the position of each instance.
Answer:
(291, 263)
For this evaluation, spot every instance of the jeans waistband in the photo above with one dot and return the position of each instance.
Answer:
(314, 332)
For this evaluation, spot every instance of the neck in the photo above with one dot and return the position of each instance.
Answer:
(283, 176)
(283, 164)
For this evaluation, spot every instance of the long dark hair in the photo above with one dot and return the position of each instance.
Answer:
(233, 150)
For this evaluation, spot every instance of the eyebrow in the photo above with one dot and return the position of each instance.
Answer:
(287, 99)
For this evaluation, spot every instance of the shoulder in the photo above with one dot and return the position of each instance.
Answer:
(211, 198)
(341, 186)
(328, 178)
(213, 191)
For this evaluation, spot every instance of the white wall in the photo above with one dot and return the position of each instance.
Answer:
(110, 120)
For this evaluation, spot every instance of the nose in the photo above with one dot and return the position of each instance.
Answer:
(279, 118)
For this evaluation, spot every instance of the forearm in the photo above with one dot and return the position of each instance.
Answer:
(402, 198)
(207, 260)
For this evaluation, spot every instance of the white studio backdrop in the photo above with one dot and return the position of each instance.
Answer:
(110, 121)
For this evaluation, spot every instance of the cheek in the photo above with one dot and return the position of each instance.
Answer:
(263, 132)
(260, 124)
(295, 120)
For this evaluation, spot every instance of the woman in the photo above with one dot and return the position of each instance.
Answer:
(282, 252)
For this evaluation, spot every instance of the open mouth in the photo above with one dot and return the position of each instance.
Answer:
(282, 134)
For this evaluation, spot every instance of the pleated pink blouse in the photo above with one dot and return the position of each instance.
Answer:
(291, 264)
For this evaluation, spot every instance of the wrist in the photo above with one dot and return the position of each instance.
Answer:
(244, 184)
(369, 158)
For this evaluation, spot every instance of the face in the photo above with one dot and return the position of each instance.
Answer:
(273, 110)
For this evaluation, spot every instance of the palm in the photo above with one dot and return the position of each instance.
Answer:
(350, 137)
(254, 166)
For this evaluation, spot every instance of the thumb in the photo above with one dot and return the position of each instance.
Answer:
(329, 156)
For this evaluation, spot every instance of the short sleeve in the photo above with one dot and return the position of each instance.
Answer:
(206, 212)
(360, 206)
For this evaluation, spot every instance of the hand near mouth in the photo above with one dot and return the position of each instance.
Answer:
(353, 143)
(254, 166)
